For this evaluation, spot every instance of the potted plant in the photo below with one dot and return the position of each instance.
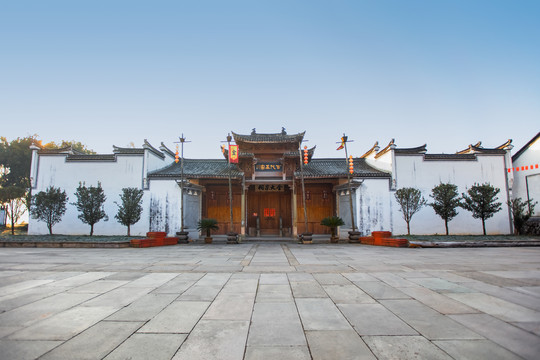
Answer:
(207, 225)
(333, 222)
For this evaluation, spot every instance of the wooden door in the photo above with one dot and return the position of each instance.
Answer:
(270, 208)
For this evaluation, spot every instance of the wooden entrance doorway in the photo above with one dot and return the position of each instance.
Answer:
(272, 207)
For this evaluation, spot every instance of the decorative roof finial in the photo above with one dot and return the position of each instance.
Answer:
(253, 132)
(283, 132)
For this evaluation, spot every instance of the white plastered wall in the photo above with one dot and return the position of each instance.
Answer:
(414, 171)
(527, 178)
(126, 171)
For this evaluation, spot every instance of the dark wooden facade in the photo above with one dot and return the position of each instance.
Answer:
(268, 200)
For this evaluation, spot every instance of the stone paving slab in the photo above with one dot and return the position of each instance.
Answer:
(270, 300)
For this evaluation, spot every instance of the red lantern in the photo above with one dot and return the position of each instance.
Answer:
(176, 156)
(305, 155)
(351, 164)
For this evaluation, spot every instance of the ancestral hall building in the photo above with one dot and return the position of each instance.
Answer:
(266, 187)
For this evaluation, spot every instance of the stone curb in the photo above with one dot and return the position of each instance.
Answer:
(471, 244)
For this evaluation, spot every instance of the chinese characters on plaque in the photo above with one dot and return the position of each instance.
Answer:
(268, 167)
(270, 187)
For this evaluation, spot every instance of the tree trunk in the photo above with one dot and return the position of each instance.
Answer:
(484, 226)
(91, 229)
(408, 229)
(446, 225)
(128, 231)
(12, 226)
(50, 228)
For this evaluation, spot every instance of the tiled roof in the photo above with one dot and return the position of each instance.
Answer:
(268, 138)
(294, 154)
(198, 168)
(332, 168)
(473, 149)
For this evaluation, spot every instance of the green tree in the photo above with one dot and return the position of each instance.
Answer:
(15, 160)
(90, 202)
(129, 211)
(481, 200)
(410, 201)
(13, 199)
(521, 212)
(49, 206)
(445, 202)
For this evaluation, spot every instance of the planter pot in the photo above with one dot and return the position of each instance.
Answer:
(354, 236)
(334, 239)
(307, 238)
(232, 238)
(183, 237)
(208, 240)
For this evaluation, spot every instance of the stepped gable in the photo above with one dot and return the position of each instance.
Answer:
(339, 168)
(199, 168)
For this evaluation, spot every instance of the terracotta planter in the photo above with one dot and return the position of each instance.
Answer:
(208, 240)
(381, 234)
(334, 239)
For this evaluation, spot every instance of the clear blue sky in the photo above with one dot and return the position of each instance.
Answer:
(443, 72)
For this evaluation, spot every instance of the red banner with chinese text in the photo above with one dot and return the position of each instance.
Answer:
(233, 154)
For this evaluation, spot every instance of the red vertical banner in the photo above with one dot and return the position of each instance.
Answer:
(233, 154)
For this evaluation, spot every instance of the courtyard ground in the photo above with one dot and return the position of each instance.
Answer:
(269, 300)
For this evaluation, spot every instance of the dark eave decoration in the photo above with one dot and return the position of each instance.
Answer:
(199, 168)
(478, 149)
(373, 150)
(338, 168)
(91, 158)
(274, 138)
(525, 147)
(60, 151)
(127, 151)
(386, 149)
(450, 157)
(412, 151)
(166, 150)
(153, 150)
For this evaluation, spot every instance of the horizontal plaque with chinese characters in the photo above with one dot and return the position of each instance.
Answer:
(269, 166)
(270, 187)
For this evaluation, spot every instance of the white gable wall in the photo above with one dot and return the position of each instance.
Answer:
(527, 175)
(126, 171)
(414, 171)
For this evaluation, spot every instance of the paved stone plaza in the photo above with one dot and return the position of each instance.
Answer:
(270, 300)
